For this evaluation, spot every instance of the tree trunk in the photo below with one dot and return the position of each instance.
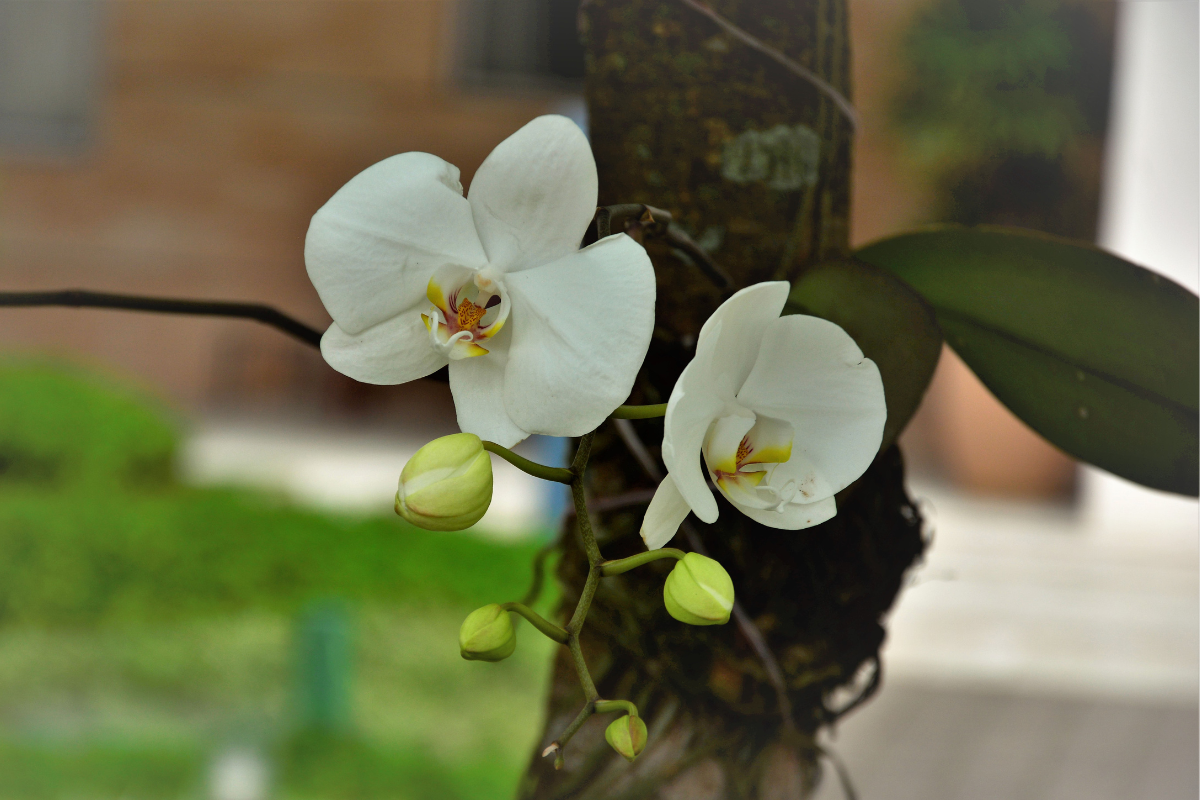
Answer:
(754, 162)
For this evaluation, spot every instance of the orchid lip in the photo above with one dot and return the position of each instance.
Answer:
(468, 308)
(742, 455)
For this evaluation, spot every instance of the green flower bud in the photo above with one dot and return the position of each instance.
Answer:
(699, 591)
(447, 485)
(627, 735)
(487, 635)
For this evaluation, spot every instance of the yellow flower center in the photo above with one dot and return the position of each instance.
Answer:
(469, 314)
(465, 314)
(742, 463)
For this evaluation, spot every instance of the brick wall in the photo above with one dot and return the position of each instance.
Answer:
(223, 126)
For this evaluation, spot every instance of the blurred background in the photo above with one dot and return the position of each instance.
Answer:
(204, 593)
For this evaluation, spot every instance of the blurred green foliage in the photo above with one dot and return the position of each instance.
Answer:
(63, 429)
(144, 624)
(321, 767)
(979, 83)
(317, 769)
(82, 556)
(1003, 106)
(140, 711)
(47, 771)
(94, 527)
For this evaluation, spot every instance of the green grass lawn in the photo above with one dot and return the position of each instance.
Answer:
(145, 626)
(138, 711)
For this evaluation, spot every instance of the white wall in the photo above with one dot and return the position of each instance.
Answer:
(1151, 203)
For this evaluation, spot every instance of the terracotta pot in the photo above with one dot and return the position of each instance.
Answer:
(965, 435)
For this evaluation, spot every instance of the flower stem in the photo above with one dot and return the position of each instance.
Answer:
(556, 747)
(578, 466)
(655, 222)
(608, 706)
(81, 298)
(640, 412)
(613, 219)
(549, 629)
(533, 468)
(610, 568)
(582, 452)
(585, 677)
(585, 524)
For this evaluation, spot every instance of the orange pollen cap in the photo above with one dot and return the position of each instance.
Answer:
(469, 315)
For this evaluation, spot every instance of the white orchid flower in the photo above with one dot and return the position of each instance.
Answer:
(785, 411)
(540, 336)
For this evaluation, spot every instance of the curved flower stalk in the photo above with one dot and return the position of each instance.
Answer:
(784, 411)
(540, 336)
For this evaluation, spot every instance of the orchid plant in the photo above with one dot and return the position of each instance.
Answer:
(541, 336)
(790, 394)
(776, 414)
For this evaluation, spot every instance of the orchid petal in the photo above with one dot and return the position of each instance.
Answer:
(723, 440)
(478, 388)
(770, 441)
(580, 330)
(810, 373)
(666, 513)
(394, 351)
(444, 283)
(535, 195)
(371, 249)
(742, 451)
(690, 411)
(793, 516)
(807, 478)
(740, 489)
(730, 338)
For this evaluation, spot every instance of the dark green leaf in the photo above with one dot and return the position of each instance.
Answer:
(891, 323)
(1098, 355)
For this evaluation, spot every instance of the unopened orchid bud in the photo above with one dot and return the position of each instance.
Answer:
(627, 735)
(487, 635)
(699, 591)
(447, 485)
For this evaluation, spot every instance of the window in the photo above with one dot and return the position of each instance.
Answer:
(49, 69)
(520, 44)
